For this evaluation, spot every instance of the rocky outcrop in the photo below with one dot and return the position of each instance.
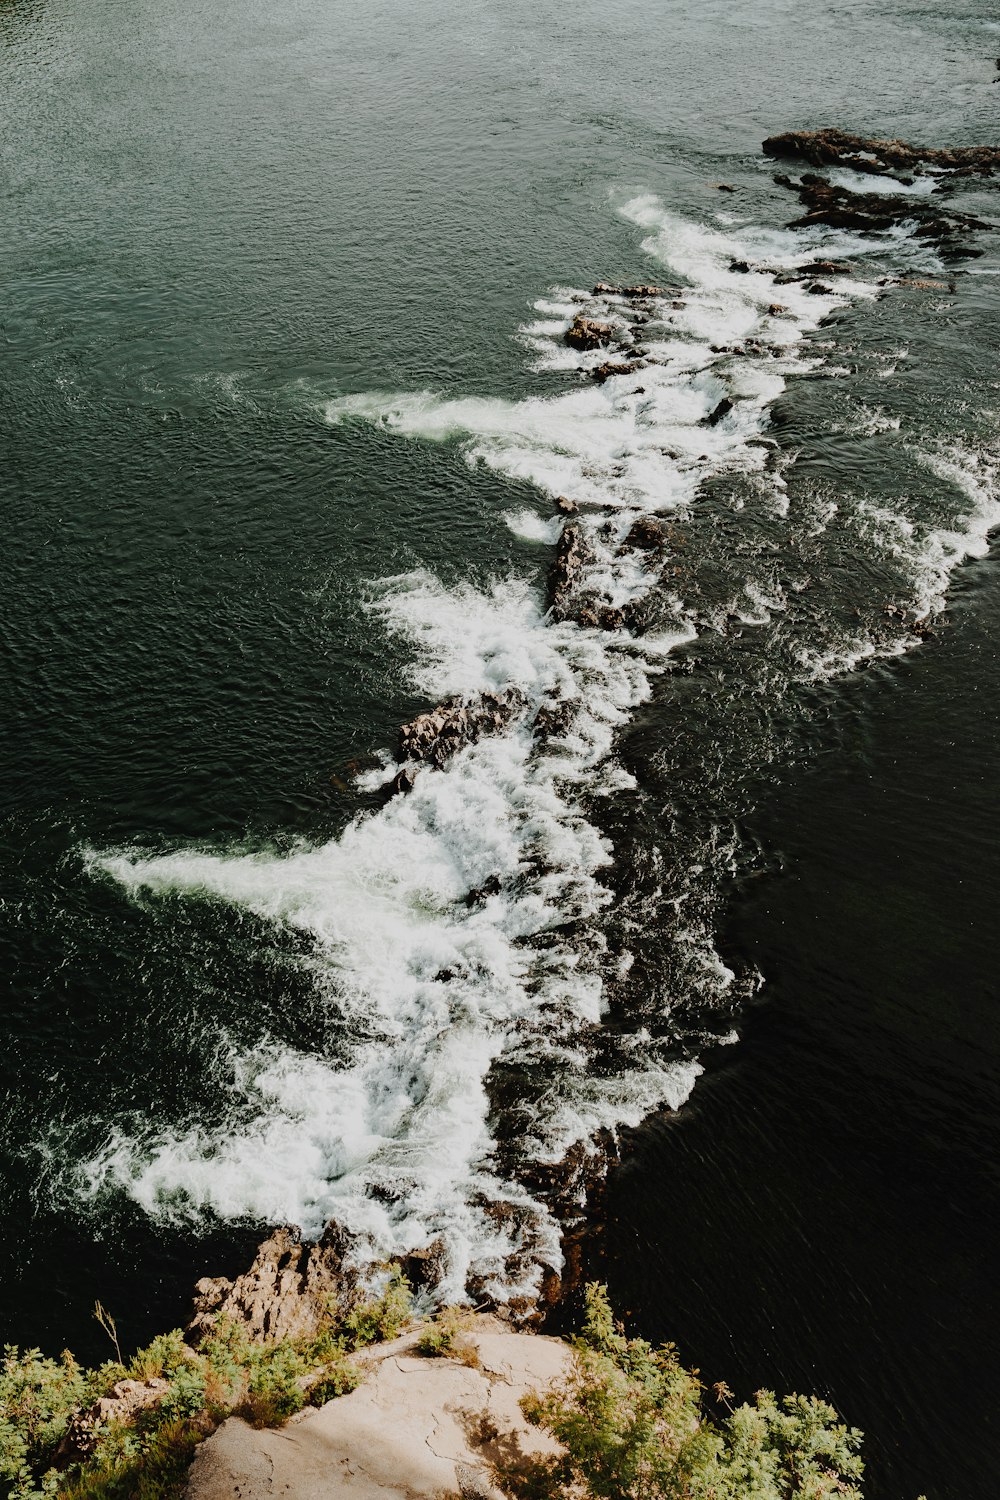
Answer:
(717, 413)
(286, 1293)
(602, 289)
(573, 555)
(417, 1428)
(587, 333)
(124, 1401)
(434, 737)
(838, 148)
(615, 367)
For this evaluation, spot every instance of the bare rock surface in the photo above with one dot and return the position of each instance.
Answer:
(588, 333)
(416, 1429)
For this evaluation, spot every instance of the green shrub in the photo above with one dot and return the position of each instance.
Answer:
(630, 1421)
(385, 1316)
(448, 1336)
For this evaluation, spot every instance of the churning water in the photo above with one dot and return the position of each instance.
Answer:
(288, 409)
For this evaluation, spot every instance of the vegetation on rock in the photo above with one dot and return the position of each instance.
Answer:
(78, 1434)
(631, 1424)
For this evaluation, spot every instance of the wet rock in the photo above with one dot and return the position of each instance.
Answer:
(424, 1267)
(286, 1293)
(647, 534)
(588, 333)
(573, 555)
(723, 187)
(554, 718)
(927, 286)
(868, 154)
(434, 737)
(723, 409)
(827, 268)
(742, 267)
(777, 309)
(602, 289)
(614, 367)
(568, 507)
(840, 208)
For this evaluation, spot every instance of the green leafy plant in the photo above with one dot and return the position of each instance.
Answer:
(630, 1423)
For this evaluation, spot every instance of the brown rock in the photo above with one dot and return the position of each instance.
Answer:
(436, 736)
(588, 333)
(568, 507)
(614, 367)
(647, 534)
(875, 156)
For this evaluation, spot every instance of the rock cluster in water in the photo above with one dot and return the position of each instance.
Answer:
(842, 208)
(838, 148)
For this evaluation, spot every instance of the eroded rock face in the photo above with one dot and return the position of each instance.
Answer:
(434, 737)
(867, 154)
(286, 1293)
(588, 333)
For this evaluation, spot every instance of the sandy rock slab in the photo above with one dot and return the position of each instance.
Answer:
(416, 1429)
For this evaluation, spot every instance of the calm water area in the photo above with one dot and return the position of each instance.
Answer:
(277, 458)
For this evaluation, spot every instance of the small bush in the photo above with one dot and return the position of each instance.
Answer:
(448, 1336)
(385, 1316)
(630, 1422)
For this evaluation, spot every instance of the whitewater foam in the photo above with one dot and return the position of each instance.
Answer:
(447, 924)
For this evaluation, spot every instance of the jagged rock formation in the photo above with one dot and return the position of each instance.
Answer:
(434, 737)
(587, 333)
(286, 1293)
(573, 556)
(838, 148)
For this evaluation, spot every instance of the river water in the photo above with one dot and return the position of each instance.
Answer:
(285, 408)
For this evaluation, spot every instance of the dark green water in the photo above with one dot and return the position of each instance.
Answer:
(216, 225)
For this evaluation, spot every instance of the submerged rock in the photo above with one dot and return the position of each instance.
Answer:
(840, 208)
(723, 409)
(588, 333)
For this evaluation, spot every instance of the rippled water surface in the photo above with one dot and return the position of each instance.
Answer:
(285, 407)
